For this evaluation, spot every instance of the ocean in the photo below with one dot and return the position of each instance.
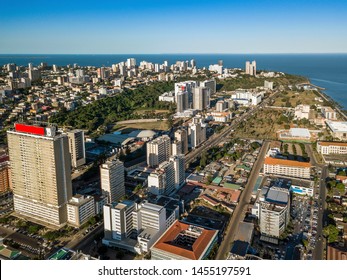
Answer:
(325, 70)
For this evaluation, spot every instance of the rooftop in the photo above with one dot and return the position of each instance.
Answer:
(337, 126)
(172, 242)
(341, 144)
(300, 132)
(276, 195)
(286, 162)
(240, 248)
(245, 232)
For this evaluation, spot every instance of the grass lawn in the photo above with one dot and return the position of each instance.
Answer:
(127, 128)
(295, 98)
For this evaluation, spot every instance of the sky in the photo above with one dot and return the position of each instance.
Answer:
(159, 26)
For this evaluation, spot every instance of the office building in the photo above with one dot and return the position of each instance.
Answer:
(197, 132)
(158, 150)
(118, 220)
(34, 75)
(131, 62)
(181, 135)
(179, 169)
(112, 179)
(176, 148)
(40, 172)
(123, 222)
(5, 173)
(183, 241)
(162, 180)
(77, 147)
(251, 68)
(182, 101)
(274, 214)
(290, 168)
(221, 106)
(211, 84)
(201, 98)
(80, 209)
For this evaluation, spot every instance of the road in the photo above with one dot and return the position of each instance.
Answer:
(80, 241)
(216, 138)
(239, 211)
(319, 248)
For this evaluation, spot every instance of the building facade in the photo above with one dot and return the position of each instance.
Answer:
(328, 148)
(112, 180)
(40, 173)
(77, 148)
(80, 209)
(290, 168)
(158, 150)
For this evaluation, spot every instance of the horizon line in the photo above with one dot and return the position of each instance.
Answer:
(187, 53)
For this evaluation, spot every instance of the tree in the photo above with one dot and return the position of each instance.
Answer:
(331, 232)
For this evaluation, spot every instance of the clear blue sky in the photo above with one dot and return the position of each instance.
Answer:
(111, 27)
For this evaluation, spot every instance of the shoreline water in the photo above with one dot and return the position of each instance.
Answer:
(324, 70)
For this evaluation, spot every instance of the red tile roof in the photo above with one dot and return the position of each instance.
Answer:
(199, 246)
(286, 162)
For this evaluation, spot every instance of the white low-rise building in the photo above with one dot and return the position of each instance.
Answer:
(290, 168)
(302, 112)
(247, 98)
(327, 148)
(80, 209)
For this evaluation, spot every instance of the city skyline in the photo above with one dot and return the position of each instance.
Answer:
(155, 27)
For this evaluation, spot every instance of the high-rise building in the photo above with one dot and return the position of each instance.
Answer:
(192, 63)
(131, 62)
(211, 84)
(158, 150)
(197, 132)
(40, 172)
(274, 210)
(182, 136)
(201, 98)
(112, 179)
(103, 73)
(221, 105)
(118, 219)
(176, 148)
(77, 148)
(179, 168)
(162, 180)
(251, 68)
(34, 74)
(5, 182)
(182, 101)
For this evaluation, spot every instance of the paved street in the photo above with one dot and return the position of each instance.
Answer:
(319, 250)
(239, 212)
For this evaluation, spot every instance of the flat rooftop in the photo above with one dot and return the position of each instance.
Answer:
(275, 195)
(300, 132)
(337, 126)
(245, 232)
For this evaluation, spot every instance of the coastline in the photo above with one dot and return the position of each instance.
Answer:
(335, 105)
